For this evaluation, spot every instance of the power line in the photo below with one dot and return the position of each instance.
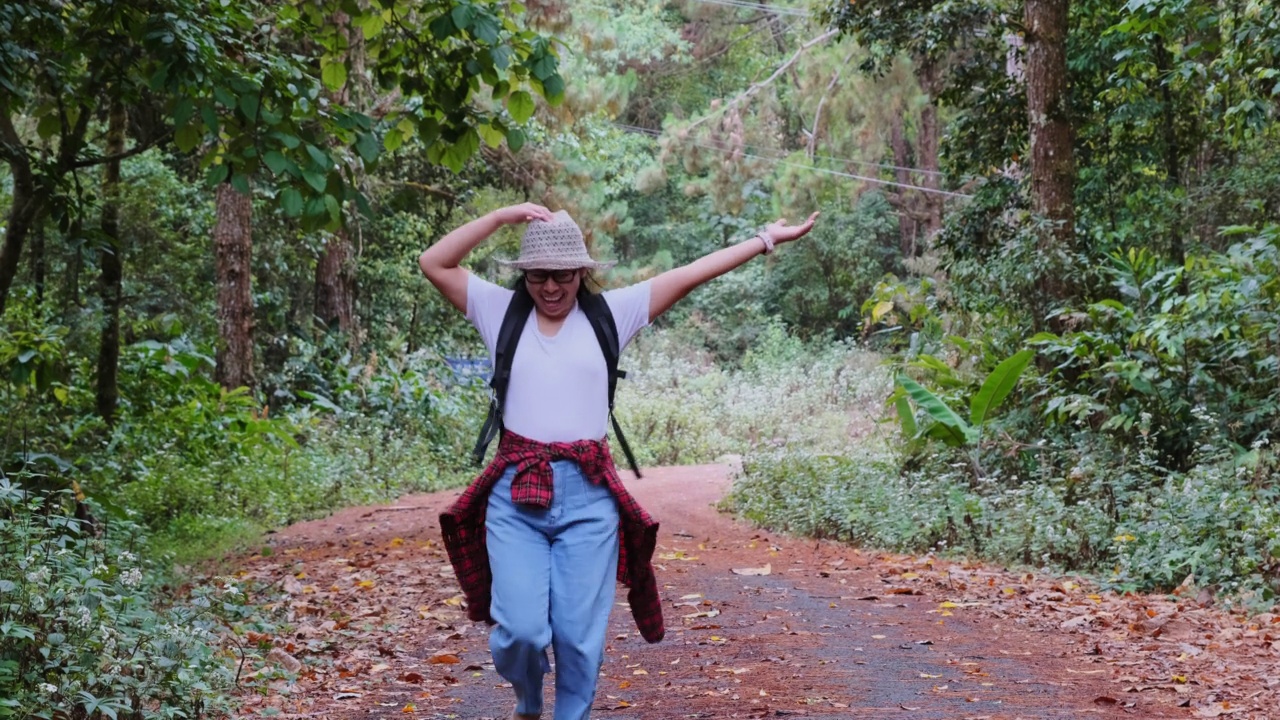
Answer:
(782, 161)
(742, 4)
(832, 158)
(747, 5)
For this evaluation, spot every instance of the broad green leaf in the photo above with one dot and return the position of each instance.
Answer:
(335, 210)
(291, 202)
(316, 180)
(462, 15)
(442, 27)
(948, 435)
(906, 416)
(187, 137)
(334, 74)
(515, 139)
(521, 106)
(289, 141)
(554, 89)
(936, 409)
(998, 385)
(882, 308)
(372, 25)
(240, 182)
(393, 140)
(543, 65)
(428, 131)
(249, 106)
(275, 161)
(210, 117)
(490, 135)
(367, 146)
(319, 401)
(320, 157)
(183, 109)
(217, 174)
(485, 28)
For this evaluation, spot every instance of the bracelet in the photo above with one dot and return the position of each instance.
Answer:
(768, 242)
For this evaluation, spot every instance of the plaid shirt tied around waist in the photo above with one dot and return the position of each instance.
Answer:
(464, 531)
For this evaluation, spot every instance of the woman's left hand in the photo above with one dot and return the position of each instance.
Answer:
(781, 232)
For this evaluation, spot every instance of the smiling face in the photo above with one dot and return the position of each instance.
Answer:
(554, 291)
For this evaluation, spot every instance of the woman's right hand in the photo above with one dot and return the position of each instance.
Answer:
(522, 213)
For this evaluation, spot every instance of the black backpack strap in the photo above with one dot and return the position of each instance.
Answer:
(602, 322)
(513, 323)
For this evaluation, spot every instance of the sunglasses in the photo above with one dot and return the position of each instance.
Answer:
(562, 277)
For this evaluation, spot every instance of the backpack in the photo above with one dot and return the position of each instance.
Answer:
(513, 322)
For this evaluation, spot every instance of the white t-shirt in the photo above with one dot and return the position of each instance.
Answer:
(559, 390)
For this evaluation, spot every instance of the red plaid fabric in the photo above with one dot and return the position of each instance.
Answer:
(464, 532)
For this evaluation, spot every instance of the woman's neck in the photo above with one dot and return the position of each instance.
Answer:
(549, 326)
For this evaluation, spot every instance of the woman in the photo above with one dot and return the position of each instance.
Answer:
(539, 540)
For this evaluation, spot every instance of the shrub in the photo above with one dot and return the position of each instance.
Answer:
(81, 631)
(678, 406)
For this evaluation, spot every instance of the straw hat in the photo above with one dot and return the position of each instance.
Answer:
(554, 244)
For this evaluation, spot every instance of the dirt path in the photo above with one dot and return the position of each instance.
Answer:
(376, 631)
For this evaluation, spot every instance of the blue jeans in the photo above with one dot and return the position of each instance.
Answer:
(554, 577)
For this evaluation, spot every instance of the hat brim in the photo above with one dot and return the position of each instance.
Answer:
(556, 264)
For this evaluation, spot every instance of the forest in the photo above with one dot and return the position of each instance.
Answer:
(1038, 322)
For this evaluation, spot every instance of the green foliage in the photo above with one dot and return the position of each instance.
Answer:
(677, 406)
(1185, 342)
(1132, 523)
(82, 630)
(947, 425)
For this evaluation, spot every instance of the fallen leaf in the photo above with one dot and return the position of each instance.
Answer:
(443, 658)
(766, 570)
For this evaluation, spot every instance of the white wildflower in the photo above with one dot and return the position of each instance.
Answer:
(131, 577)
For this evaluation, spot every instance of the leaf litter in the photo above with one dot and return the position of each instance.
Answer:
(370, 619)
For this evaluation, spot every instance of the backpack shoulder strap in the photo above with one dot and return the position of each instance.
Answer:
(597, 311)
(513, 322)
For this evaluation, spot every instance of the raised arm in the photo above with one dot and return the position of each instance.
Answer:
(440, 262)
(674, 284)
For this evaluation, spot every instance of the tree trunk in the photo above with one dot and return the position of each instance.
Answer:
(335, 299)
(336, 284)
(907, 215)
(22, 218)
(1172, 150)
(39, 263)
(232, 248)
(111, 264)
(930, 78)
(1052, 159)
(71, 302)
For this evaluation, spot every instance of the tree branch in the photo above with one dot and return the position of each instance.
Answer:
(137, 149)
(817, 114)
(757, 87)
(10, 142)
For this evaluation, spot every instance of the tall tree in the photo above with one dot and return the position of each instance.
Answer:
(111, 264)
(335, 276)
(62, 64)
(233, 249)
(1053, 170)
(933, 34)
